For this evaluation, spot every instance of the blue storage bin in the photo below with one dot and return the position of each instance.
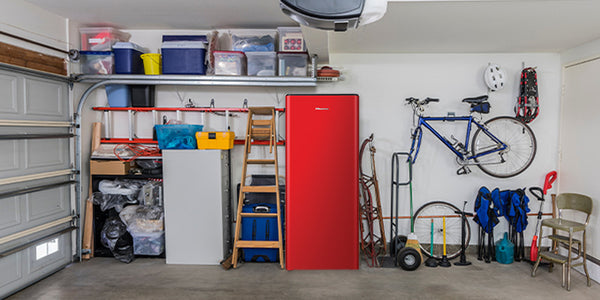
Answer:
(118, 95)
(260, 229)
(127, 58)
(177, 136)
(183, 57)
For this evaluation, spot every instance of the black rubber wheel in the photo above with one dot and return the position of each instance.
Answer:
(409, 259)
(509, 162)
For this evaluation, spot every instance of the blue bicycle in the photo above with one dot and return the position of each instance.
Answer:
(501, 147)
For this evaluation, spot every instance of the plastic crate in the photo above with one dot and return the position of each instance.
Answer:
(118, 95)
(183, 57)
(177, 136)
(293, 63)
(148, 243)
(230, 63)
(97, 62)
(262, 63)
(101, 38)
(253, 40)
(291, 39)
(215, 139)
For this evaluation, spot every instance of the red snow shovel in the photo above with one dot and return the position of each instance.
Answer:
(539, 194)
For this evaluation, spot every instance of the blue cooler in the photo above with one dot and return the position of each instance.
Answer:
(260, 229)
(127, 58)
(183, 57)
(118, 95)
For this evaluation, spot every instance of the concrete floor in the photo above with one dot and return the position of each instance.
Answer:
(106, 278)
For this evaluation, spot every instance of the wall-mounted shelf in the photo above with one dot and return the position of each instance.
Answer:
(151, 141)
(199, 80)
(197, 109)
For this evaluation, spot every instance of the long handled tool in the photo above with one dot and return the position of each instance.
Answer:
(539, 194)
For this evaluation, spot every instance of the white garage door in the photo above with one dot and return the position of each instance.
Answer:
(36, 183)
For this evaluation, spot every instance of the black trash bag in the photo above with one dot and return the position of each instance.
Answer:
(115, 237)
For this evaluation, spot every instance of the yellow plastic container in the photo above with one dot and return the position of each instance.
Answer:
(215, 139)
(152, 63)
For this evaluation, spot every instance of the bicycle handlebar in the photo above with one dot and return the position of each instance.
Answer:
(423, 102)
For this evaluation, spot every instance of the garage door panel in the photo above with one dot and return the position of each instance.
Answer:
(27, 164)
(9, 160)
(58, 244)
(8, 94)
(48, 204)
(47, 153)
(11, 269)
(10, 214)
(44, 98)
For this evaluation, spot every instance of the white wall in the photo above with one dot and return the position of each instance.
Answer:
(383, 81)
(579, 119)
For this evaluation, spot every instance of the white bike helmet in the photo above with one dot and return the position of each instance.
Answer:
(494, 77)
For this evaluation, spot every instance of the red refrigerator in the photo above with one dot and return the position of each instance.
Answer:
(321, 182)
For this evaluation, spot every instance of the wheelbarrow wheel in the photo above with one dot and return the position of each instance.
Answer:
(409, 259)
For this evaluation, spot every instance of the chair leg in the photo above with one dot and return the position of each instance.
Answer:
(587, 275)
(564, 275)
(535, 266)
(569, 260)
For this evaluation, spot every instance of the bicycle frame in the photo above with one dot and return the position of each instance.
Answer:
(417, 135)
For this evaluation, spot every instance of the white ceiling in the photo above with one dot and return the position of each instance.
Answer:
(408, 26)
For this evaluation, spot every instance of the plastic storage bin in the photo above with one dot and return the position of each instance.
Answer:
(215, 140)
(178, 38)
(101, 38)
(261, 63)
(230, 63)
(97, 62)
(142, 95)
(291, 39)
(177, 136)
(253, 40)
(293, 63)
(183, 57)
(119, 95)
(128, 58)
(148, 243)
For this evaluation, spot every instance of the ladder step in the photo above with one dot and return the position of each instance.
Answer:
(262, 110)
(260, 161)
(257, 244)
(259, 189)
(262, 122)
(260, 215)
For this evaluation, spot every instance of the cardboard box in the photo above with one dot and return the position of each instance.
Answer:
(110, 167)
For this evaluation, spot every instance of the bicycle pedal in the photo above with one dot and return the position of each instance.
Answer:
(463, 170)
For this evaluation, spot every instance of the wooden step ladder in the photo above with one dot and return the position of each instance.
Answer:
(259, 129)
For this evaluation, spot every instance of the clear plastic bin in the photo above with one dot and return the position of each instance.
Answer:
(97, 62)
(291, 39)
(230, 63)
(262, 63)
(293, 63)
(247, 40)
(148, 243)
(101, 38)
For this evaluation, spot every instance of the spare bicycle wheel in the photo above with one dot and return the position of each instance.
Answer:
(520, 151)
(436, 211)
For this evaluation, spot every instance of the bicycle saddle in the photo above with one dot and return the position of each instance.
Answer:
(476, 100)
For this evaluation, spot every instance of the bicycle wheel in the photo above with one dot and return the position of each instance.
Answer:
(435, 212)
(515, 158)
